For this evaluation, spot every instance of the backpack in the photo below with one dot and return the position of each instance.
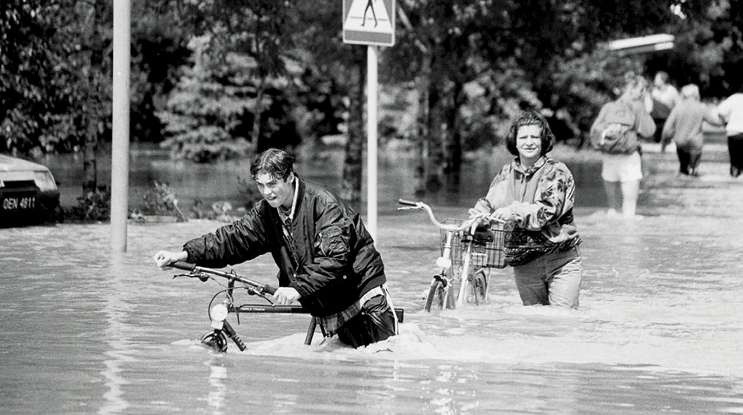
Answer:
(615, 133)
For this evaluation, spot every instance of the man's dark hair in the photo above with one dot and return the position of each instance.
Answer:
(530, 117)
(275, 162)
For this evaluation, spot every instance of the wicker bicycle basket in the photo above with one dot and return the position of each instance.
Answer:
(487, 247)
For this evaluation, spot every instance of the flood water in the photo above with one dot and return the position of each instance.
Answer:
(219, 182)
(658, 329)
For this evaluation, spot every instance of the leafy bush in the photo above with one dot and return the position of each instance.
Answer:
(161, 200)
(94, 206)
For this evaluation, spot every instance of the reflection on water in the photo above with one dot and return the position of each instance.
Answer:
(117, 356)
(217, 387)
(658, 329)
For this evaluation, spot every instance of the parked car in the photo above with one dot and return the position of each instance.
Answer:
(28, 192)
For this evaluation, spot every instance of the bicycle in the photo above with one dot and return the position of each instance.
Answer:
(465, 246)
(221, 329)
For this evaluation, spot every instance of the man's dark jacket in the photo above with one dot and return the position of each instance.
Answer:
(333, 261)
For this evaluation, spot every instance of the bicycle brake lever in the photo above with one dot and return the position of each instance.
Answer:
(201, 276)
(264, 296)
(253, 291)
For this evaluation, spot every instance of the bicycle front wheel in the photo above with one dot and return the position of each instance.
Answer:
(479, 286)
(438, 294)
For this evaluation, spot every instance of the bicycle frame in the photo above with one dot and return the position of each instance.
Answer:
(466, 267)
(221, 327)
(445, 261)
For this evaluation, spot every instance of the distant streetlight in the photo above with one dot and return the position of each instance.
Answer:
(642, 44)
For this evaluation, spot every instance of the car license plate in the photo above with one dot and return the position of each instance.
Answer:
(18, 203)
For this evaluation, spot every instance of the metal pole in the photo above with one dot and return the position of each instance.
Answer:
(371, 148)
(120, 147)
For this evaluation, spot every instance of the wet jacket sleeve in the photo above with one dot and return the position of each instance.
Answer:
(332, 256)
(497, 192)
(237, 242)
(598, 126)
(555, 195)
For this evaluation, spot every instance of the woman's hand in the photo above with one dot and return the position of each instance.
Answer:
(477, 217)
(613, 130)
(475, 213)
(504, 214)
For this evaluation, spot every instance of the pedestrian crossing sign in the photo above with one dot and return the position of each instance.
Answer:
(369, 22)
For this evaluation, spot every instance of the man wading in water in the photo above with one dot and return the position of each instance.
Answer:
(326, 258)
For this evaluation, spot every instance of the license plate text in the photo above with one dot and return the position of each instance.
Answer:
(19, 203)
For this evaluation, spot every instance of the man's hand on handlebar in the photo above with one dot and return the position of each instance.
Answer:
(285, 295)
(165, 258)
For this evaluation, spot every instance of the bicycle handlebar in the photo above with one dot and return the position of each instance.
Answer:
(258, 287)
(183, 265)
(467, 224)
(407, 202)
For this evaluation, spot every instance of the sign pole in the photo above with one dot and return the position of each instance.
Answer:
(371, 148)
(120, 146)
(370, 23)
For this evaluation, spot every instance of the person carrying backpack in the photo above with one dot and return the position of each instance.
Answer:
(616, 133)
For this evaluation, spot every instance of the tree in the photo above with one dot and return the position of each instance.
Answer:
(343, 65)
(258, 29)
(708, 49)
(53, 77)
(442, 48)
(95, 65)
(159, 50)
(205, 112)
(39, 84)
(478, 63)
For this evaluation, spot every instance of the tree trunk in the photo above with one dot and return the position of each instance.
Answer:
(453, 137)
(352, 163)
(435, 160)
(92, 103)
(424, 81)
(90, 165)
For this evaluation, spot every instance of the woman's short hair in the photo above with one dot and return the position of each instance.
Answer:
(530, 117)
(277, 163)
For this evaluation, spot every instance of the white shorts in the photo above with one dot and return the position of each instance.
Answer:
(621, 167)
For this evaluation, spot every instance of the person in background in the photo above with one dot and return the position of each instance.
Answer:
(731, 114)
(684, 127)
(615, 133)
(326, 258)
(664, 97)
(536, 194)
